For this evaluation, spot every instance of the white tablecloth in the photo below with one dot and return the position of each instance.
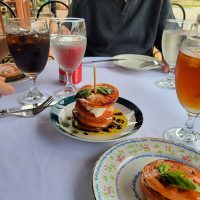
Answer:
(39, 163)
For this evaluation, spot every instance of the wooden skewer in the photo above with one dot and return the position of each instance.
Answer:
(95, 84)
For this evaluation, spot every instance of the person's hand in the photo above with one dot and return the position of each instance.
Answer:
(5, 88)
(158, 55)
(64, 30)
(165, 68)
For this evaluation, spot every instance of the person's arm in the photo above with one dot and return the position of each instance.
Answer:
(165, 13)
(75, 8)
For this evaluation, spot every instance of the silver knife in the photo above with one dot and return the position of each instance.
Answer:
(105, 60)
(22, 108)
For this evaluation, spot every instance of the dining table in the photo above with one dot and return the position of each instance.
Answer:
(39, 162)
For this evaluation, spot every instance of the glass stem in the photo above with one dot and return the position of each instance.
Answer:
(171, 73)
(187, 133)
(189, 124)
(33, 83)
(33, 93)
(69, 79)
(69, 85)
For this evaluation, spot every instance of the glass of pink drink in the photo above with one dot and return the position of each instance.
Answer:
(68, 44)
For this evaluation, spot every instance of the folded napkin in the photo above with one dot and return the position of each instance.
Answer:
(5, 88)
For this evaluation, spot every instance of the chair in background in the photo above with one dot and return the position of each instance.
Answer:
(8, 7)
(182, 10)
(53, 7)
(5, 12)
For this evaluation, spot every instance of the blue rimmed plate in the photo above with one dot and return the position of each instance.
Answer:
(116, 174)
(61, 118)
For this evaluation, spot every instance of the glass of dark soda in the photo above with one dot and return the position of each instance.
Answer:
(28, 42)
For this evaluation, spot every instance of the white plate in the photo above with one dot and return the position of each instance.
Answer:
(117, 172)
(61, 118)
(19, 80)
(134, 62)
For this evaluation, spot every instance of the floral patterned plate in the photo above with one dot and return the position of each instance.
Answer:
(61, 118)
(116, 174)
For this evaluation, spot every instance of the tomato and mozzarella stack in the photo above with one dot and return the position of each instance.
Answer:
(178, 174)
(94, 111)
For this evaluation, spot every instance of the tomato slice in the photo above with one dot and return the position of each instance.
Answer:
(154, 189)
(98, 123)
(100, 100)
(109, 112)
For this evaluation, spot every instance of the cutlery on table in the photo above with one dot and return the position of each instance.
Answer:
(104, 60)
(27, 112)
(23, 108)
(152, 64)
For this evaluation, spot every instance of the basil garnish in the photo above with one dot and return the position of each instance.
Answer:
(175, 178)
(83, 94)
(164, 167)
(101, 90)
(104, 90)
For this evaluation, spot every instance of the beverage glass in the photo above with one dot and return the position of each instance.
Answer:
(188, 91)
(175, 32)
(28, 42)
(68, 44)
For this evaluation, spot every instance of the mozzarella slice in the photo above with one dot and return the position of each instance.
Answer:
(96, 111)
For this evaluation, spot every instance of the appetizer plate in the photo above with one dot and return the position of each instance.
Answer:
(137, 62)
(116, 174)
(61, 118)
(22, 78)
(11, 68)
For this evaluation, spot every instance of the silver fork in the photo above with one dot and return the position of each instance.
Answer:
(32, 112)
(152, 64)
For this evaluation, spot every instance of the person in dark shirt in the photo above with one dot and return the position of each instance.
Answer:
(119, 26)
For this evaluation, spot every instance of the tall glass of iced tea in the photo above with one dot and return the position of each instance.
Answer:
(68, 44)
(28, 42)
(187, 80)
